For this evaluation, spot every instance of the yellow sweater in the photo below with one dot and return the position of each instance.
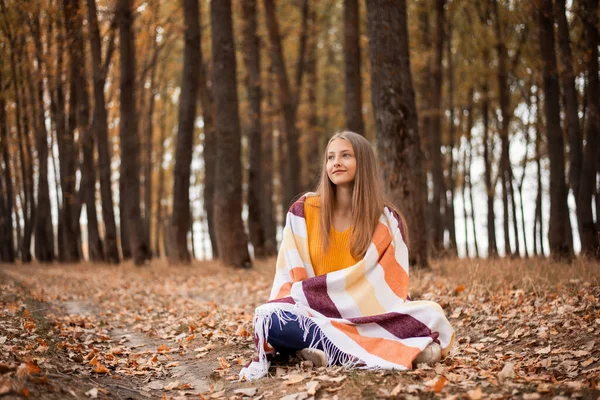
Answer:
(338, 254)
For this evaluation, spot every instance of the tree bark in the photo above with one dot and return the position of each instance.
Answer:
(44, 232)
(353, 109)
(210, 146)
(559, 212)
(74, 24)
(315, 129)
(100, 129)
(161, 175)
(185, 134)
(589, 233)
(7, 251)
(449, 214)
(231, 238)
(470, 162)
(267, 170)
(435, 137)
(289, 99)
(397, 132)
(570, 97)
(251, 54)
(130, 168)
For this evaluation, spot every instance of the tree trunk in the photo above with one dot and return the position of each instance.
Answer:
(397, 133)
(289, 99)
(450, 222)
(130, 168)
(470, 162)
(231, 238)
(210, 146)
(185, 134)
(267, 170)
(7, 251)
(74, 24)
(100, 129)
(251, 53)
(44, 233)
(161, 175)
(29, 115)
(570, 98)
(353, 109)
(559, 212)
(435, 137)
(589, 233)
(315, 129)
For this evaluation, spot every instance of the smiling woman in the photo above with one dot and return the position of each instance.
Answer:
(340, 293)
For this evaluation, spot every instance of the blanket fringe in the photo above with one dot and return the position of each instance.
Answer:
(262, 324)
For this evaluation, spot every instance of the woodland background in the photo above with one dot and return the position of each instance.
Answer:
(159, 132)
(141, 129)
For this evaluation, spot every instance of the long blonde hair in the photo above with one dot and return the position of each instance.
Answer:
(368, 197)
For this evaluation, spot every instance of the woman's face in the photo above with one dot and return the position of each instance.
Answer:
(341, 163)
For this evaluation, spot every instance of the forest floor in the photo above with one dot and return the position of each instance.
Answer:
(525, 329)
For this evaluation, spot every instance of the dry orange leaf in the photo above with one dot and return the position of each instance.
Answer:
(33, 368)
(163, 348)
(30, 326)
(223, 364)
(460, 289)
(101, 369)
(439, 384)
(190, 338)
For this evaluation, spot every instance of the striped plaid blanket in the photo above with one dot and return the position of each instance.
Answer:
(363, 311)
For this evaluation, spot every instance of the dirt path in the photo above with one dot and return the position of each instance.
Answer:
(92, 331)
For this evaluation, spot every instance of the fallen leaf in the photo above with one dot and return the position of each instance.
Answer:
(2, 339)
(5, 386)
(396, 391)
(250, 392)
(476, 394)
(507, 372)
(543, 350)
(294, 378)
(163, 348)
(295, 396)
(312, 387)
(172, 385)
(439, 385)
(588, 362)
(223, 364)
(218, 395)
(155, 385)
(101, 369)
(460, 289)
(93, 393)
(531, 396)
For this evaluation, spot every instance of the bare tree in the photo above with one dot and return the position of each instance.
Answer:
(185, 134)
(353, 110)
(559, 212)
(231, 238)
(288, 97)
(397, 133)
(130, 168)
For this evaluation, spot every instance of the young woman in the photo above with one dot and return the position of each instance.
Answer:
(340, 293)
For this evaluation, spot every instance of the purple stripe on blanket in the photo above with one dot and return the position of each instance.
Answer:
(400, 325)
(315, 290)
(298, 208)
(287, 299)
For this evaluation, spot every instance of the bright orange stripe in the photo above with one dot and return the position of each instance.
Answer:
(386, 349)
(395, 276)
(284, 290)
(298, 274)
(381, 238)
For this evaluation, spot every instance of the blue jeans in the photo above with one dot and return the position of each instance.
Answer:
(288, 338)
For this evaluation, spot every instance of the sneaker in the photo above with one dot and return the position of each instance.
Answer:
(317, 356)
(430, 355)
